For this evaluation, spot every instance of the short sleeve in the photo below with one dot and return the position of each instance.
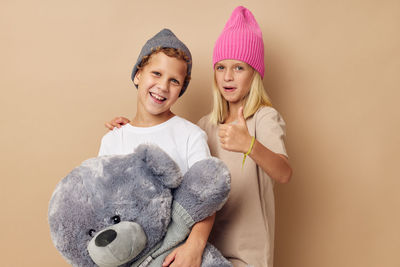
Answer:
(108, 143)
(197, 147)
(271, 130)
(103, 148)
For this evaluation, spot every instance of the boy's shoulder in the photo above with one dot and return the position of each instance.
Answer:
(174, 125)
(182, 129)
(114, 133)
(182, 123)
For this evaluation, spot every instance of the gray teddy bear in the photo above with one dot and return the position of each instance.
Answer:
(133, 210)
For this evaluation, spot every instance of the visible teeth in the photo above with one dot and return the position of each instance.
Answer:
(158, 97)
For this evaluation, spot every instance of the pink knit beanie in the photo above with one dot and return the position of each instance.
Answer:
(241, 40)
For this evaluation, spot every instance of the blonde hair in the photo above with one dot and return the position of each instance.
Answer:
(256, 98)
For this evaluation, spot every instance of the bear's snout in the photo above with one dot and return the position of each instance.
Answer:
(105, 238)
(117, 244)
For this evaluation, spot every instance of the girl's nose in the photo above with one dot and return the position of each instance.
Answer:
(228, 75)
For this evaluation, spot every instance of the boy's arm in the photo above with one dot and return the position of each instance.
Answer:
(190, 253)
(197, 148)
(103, 148)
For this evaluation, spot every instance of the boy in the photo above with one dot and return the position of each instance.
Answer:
(161, 75)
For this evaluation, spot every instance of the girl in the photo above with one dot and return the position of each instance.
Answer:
(247, 134)
(243, 124)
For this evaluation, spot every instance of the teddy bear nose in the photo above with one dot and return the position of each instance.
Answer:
(105, 238)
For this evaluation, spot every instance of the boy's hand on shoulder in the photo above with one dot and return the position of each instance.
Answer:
(235, 137)
(116, 122)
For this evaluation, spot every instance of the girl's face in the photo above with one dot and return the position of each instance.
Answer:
(233, 79)
(159, 84)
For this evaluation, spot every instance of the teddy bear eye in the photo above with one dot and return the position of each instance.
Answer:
(115, 219)
(91, 232)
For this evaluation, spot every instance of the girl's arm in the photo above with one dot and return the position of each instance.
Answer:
(275, 165)
(190, 253)
(236, 137)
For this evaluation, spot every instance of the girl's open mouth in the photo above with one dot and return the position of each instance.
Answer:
(229, 89)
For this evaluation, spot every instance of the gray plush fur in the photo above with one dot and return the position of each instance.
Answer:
(204, 189)
(127, 201)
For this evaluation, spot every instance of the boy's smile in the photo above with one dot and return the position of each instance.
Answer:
(159, 85)
(157, 97)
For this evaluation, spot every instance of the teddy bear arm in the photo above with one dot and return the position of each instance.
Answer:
(213, 258)
(204, 189)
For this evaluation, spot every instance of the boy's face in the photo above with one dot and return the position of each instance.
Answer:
(159, 84)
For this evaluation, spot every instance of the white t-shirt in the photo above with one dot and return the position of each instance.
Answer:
(182, 140)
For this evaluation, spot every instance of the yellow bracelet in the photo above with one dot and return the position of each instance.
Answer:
(249, 151)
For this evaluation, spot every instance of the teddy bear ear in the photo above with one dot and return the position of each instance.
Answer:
(160, 164)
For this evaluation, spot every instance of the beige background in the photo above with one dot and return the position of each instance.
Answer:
(332, 71)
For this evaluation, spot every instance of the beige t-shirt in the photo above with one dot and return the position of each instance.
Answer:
(244, 228)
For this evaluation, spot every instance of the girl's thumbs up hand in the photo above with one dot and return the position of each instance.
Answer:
(235, 137)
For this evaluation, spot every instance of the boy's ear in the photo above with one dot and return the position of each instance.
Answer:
(136, 79)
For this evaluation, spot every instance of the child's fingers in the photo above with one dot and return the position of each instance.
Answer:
(116, 124)
(221, 133)
(124, 120)
(170, 258)
(108, 125)
(225, 129)
(121, 120)
(226, 147)
(224, 126)
(241, 119)
(118, 120)
(115, 121)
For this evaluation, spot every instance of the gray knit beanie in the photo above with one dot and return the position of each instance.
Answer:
(164, 39)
